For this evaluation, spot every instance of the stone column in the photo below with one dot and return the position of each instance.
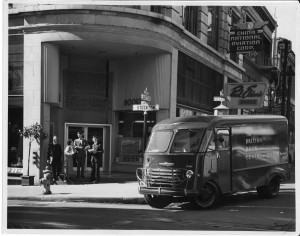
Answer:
(173, 87)
(202, 23)
(32, 100)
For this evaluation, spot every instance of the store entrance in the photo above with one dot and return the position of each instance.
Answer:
(89, 130)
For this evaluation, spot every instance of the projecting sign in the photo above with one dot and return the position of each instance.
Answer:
(145, 107)
(245, 41)
(246, 95)
(247, 37)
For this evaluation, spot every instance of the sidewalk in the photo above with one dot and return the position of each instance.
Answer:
(113, 188)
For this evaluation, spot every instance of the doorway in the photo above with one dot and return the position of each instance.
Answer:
(103, 132)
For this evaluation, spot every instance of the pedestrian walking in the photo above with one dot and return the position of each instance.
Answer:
(81, 146)
(96, 160)
(54, 158)
(69, 152)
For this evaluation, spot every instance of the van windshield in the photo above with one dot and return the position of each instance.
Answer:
(187, 140)
(159, 141)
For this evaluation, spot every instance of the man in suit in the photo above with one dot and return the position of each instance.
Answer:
(81, 146)
(54, 157)
(96, 159)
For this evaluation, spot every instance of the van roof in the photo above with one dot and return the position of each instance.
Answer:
(196, 122)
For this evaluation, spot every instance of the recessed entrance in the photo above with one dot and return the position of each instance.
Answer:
(102, 131)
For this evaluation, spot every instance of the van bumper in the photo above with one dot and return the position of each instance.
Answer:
(165, 191)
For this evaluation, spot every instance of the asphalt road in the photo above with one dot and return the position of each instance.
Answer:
(241, 212)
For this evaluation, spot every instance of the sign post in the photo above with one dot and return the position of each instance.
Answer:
(145, 107)
(221, 109)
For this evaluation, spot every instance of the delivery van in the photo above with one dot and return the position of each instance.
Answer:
(206, 157)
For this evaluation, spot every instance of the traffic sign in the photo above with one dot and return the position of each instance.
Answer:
(145, 97)
(138, 107)
(219, 99)
(144, 103)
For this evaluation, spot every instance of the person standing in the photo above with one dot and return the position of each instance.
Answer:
(81, 146)
(69, 152)
(96, 159)
(54, 157)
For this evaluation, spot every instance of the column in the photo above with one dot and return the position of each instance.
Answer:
(173, 87)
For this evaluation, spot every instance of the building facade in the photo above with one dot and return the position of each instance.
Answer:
(82, 67)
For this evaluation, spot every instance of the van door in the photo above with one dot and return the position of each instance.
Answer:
(223, 144)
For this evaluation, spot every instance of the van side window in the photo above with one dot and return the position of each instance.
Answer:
(223, 139)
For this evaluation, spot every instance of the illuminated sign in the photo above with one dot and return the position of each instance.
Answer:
(246, 95)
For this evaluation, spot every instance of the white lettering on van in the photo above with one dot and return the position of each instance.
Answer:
(259, 156)
(251, 148)
(253, 140)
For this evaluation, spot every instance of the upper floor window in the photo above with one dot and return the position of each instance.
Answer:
(212, 27)
(191, 19)
(156, 9)
(234, 20)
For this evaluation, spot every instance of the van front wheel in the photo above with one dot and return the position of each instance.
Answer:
(158, 201)
(208, 197)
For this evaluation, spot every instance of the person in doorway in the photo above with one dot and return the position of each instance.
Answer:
(81, 146)
(96, 160)
(69, 152)
(54, 158)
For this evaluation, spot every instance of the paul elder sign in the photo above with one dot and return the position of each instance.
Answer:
(246, 95)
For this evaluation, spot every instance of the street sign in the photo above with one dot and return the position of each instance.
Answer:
(138, 107)
(144, 103)
(145, 97)
(219, 99)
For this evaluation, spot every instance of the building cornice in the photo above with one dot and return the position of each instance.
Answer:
(186, 42)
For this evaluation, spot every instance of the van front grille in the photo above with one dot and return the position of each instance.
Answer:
(157, 177)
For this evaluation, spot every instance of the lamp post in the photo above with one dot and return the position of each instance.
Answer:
(145, 107)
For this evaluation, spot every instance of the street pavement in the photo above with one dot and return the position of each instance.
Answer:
(113, 188)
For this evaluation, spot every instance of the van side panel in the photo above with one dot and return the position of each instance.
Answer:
(256, 149)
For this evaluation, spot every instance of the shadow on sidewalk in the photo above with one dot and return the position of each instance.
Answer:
(115, 177)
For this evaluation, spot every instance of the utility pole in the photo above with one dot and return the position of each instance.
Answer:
(284, 47)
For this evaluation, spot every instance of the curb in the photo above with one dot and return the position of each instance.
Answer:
(48, 198)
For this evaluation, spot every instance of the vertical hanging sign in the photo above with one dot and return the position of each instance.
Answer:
(247, 38)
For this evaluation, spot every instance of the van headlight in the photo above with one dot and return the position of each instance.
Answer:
(189, 174)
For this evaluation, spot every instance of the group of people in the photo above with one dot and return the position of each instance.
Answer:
(76, 149)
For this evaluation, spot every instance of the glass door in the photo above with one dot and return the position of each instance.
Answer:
(88, 133)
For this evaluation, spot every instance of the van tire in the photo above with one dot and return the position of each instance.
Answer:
(208, 197)
(270, 190)
(158, 201)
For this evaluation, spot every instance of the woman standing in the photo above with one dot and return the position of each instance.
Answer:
(69, 152)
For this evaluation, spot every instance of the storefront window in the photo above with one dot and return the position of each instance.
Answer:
(15, 65)
(15, 141)
(130, 135)
(197, 84)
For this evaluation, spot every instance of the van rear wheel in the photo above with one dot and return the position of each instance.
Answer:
(270, 190)
(158, 201)
(208, 197)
